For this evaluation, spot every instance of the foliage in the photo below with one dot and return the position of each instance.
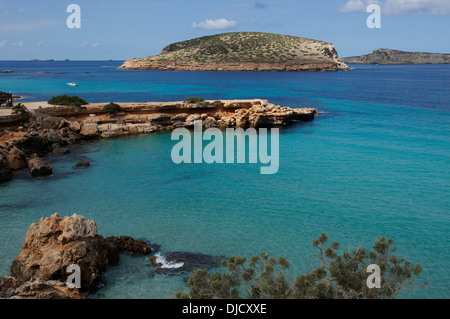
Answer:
(19, 108)
(67, 100)
(194, 100)
(217, 103)
(238, 47)
(339, 275)
(111, 108)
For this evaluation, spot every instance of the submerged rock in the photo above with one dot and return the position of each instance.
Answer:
(82, 164)
(176, 263)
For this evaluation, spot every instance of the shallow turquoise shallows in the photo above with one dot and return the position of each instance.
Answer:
(375, 161)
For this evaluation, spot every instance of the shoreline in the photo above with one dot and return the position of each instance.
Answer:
(27, 137)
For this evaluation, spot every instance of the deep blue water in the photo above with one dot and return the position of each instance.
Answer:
(375, 161)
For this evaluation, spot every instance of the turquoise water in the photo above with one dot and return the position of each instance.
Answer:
(376, 161)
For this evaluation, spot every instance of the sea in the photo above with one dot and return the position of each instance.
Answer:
(374, 162)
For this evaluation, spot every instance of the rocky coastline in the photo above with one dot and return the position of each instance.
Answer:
(26, 138)
(54, 244)
(311, 66)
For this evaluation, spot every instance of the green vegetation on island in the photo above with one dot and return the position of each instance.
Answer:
(111, 108)
(256, 47)
(67, 100)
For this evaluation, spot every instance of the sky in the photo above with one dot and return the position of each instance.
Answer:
(120, 29)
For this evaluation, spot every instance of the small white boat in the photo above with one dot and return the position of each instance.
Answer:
(72, 84)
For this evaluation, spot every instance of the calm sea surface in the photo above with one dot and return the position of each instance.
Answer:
(375, 161)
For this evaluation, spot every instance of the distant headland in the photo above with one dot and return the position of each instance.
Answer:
(388, 56)
(243, 51)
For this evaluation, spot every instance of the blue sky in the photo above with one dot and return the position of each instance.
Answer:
(120, 29)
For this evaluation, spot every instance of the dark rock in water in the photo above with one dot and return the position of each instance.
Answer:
(82, 164)
(153, 246)
(39, 167)
(61, 151)
(176, 263)
(133, 246)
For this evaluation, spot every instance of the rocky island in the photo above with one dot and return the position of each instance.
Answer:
(388, 56)
(243, 51)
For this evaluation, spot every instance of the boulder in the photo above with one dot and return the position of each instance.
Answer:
(75, 126)
(16, 158)
(39, 167)
(55, 137)
(56, 242)
(89, 130)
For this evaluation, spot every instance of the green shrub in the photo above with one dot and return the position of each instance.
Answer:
(19, 108)
(67, 100)
(194, 100)
(217, 103)
(340, 274)
(111, 108)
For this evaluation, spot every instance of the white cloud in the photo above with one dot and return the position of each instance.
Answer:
(353, 6)
(95, 44)
(400, 7)
(20, 44)
(40, 43)
(215, 24)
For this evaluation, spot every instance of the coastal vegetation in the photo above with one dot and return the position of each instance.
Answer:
(67, 100)
(19, 108)
(194, 100)
(338, 275)
(256, 47)
(111, 108)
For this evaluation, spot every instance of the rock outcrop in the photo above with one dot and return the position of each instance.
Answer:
(388, 56)
(54, 243)
(243, 51)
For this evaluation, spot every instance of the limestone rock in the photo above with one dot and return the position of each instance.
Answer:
(16, 158)
(54, 243)
(75, 126)
(12, 288)
(89, 130)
